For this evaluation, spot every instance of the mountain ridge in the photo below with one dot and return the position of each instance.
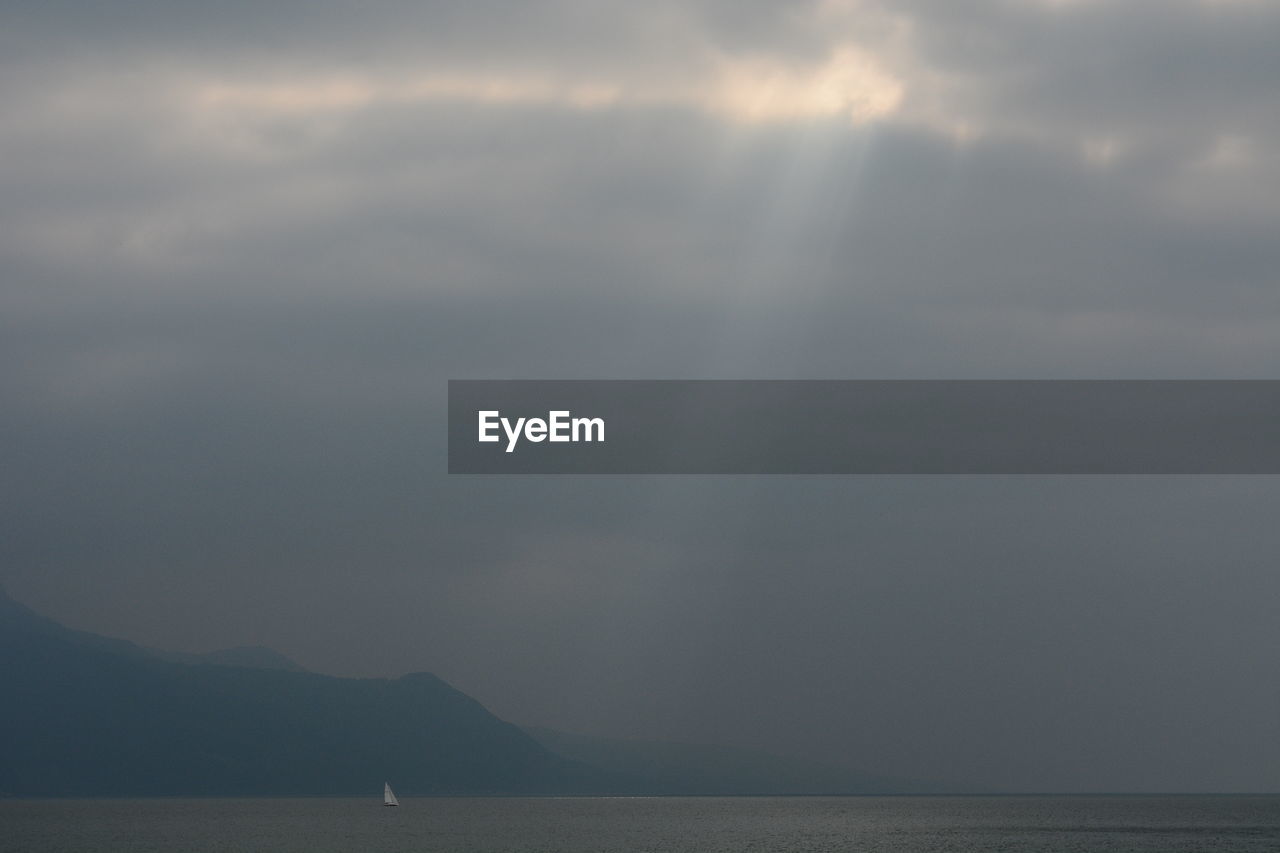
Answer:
(93, 716)
(254, 657)
(89, 715)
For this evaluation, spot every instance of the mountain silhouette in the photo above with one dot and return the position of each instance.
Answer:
(85, 715)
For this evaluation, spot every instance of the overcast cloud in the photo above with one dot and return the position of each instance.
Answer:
(242, 249)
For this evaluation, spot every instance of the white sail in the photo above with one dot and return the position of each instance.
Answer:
(388, 797)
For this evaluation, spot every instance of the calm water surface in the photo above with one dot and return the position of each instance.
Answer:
(680, 825)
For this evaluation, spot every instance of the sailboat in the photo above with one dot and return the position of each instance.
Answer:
(388, 796)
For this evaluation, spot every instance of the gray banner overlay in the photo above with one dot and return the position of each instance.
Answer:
(865, 427)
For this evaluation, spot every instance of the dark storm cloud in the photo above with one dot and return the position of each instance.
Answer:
(1174, 68)
(239, 260)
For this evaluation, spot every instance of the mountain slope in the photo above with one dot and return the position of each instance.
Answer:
(86, 715)
(18, 616)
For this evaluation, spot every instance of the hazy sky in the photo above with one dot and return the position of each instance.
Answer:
(244, 245)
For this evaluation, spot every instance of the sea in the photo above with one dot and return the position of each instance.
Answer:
(630, 825)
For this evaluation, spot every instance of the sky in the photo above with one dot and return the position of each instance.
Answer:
(243, 247)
